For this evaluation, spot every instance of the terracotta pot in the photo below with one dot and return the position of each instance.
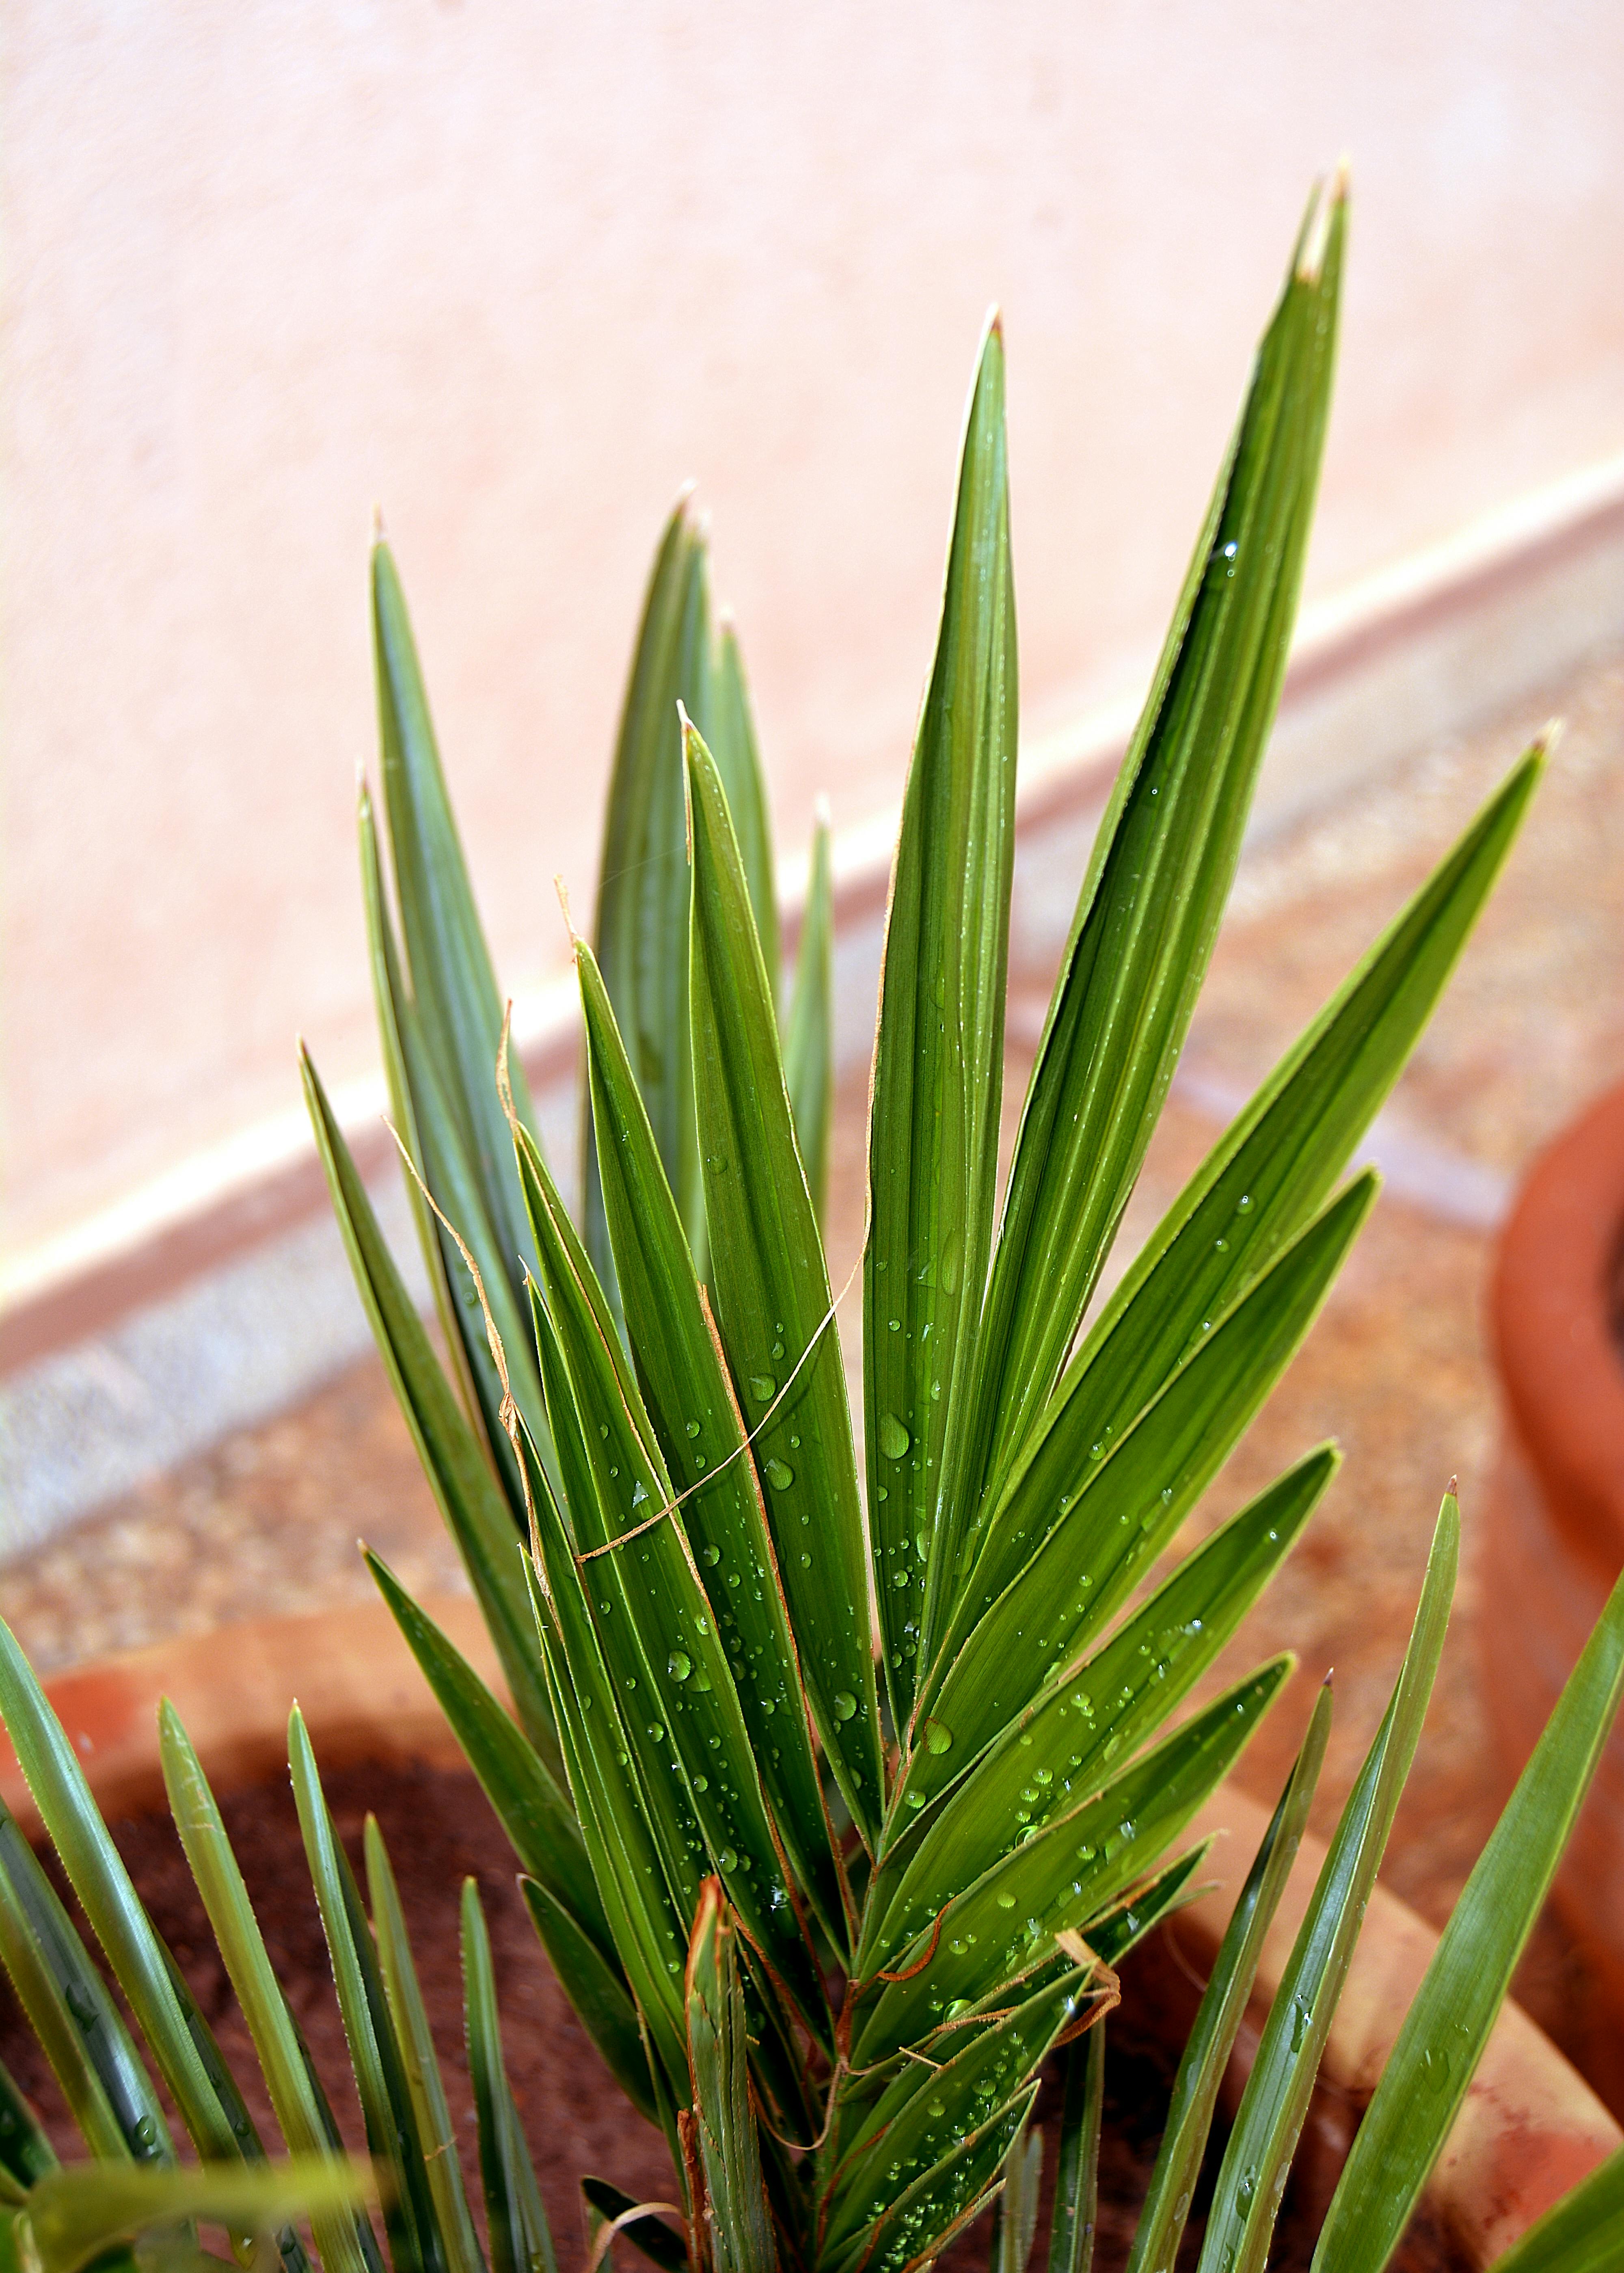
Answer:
(1530, 2126)
(1555, 1532)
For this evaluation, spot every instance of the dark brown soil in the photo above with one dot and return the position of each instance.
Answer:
(440, 1830)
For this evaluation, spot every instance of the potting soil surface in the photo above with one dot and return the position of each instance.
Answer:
(1396, 1368)
(438, 1832)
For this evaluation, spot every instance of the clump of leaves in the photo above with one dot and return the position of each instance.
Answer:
(134, 2204)
(841, 1787)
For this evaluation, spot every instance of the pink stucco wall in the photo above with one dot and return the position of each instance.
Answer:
(514, 271)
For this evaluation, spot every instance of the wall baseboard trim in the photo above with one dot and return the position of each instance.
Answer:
(1429, 646)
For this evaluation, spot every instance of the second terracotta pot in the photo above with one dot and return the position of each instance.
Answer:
(1554, 1537)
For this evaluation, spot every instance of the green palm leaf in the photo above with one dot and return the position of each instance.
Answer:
(25, 2153)
(1583, 2233)
(1430, 2068)
(659, 1632)
(697, 1420)
(1081, 1522)
(1077, 2175)
(175, 2030)
(459, 1473)
(773, 1306)
(738, 2222)
(1059, 1750)
(1149, 911)
(1071, 1871)
(1223, 2007)
(343, 2234)
(532, 1809)
(938, 1064)
(1258, 2157)
(1272, 1169)
(416, 2242)
(77, 2026)
(418, 2060)
(809, 1025)
(454, 987)
(640, 930)
(521, 2239)
(980, 2069)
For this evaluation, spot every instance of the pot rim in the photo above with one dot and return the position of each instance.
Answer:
(1550, 1306)
(1529, 2128)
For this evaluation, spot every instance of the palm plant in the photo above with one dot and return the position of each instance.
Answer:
(840, 1792)
(133, 2204)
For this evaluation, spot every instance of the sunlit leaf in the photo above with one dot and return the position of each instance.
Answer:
(938, 1065)
(76, 2213)
(1148, 914)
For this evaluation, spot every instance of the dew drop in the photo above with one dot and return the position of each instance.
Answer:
(692, 1426)
(657, 1730)
(843, 1704)
(938, 1739)
(702, 1784)
(762, 1387)
(678, 1665)
(894, 1438)
(727, 1860)
(710, 1555)
(778, 1475)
